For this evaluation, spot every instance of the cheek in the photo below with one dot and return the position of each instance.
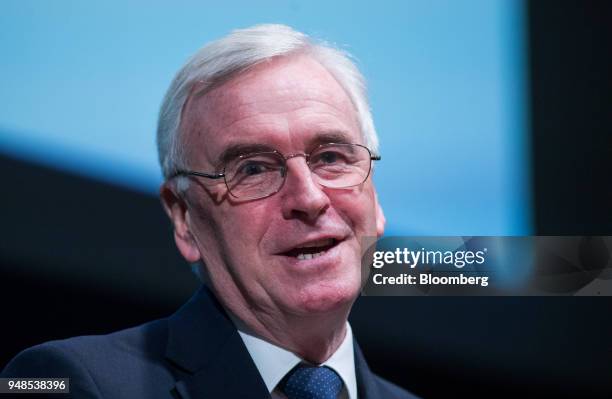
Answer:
(228, 241)
(358, 209)
(241, 228)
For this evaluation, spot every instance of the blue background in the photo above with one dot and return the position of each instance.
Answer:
(82, 83)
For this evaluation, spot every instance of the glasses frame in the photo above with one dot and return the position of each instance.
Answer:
(285, 158)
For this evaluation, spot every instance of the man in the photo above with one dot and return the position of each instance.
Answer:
(266, 143)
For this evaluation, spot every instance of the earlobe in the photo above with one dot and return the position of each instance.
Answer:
(187, 247)
(177, 210)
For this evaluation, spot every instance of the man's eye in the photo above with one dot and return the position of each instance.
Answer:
(329, 157)
(253, 168)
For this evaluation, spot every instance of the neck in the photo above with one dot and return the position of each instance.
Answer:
(314, 337)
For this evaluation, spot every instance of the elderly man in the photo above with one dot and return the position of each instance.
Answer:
(266, 142)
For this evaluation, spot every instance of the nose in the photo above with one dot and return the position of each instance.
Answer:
(302, 197)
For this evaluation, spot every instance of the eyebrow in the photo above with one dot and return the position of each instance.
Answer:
(238, 149)
(334, 136)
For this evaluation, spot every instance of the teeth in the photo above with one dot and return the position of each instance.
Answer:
(310, 256)
(320, 243)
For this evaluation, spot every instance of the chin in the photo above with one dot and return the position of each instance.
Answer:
(326, 298)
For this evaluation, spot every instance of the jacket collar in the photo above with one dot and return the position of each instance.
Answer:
(211, 359)
(367, 386)
(213, 362)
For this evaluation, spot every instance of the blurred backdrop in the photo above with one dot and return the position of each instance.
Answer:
(493, 116)
(83, 82)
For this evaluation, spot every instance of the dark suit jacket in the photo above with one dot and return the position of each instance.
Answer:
(194, 354)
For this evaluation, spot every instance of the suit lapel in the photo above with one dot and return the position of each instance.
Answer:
(367, 387)
(211, 359)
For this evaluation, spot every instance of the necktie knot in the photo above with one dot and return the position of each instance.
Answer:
(311, 382)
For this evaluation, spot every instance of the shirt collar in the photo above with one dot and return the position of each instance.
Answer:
(274, 362)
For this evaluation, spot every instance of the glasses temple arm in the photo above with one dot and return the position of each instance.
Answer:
(200, 174)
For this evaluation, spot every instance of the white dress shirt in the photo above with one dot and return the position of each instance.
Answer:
(274, 363)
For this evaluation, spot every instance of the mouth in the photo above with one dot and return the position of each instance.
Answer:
(312, 249)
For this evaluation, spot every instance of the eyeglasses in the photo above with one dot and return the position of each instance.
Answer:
(262, 174)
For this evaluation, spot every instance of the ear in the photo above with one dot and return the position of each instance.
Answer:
(177, 210)
(380, 217)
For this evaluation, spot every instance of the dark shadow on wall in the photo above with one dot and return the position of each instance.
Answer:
(81, 257)
(571, 115)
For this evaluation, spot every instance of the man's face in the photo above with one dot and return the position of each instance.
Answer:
(249, 247)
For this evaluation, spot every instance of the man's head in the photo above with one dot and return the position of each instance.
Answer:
(297, 251)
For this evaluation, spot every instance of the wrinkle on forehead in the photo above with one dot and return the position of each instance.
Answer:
(266, 89)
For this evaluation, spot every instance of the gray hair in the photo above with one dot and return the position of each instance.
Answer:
(241, 49)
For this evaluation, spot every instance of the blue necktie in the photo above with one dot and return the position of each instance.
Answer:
(311, 382)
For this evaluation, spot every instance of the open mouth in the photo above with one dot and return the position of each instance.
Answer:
(312, 249)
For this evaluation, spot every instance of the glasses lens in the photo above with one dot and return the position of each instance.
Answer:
(255, 175)
(340, 165)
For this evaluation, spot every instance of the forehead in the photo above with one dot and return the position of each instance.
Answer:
(285, 103)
